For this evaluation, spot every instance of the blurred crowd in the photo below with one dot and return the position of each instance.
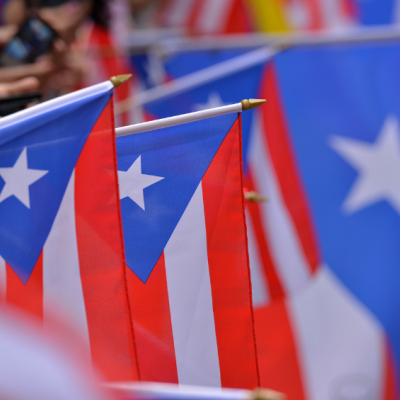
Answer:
(64, 67)
(91, 35)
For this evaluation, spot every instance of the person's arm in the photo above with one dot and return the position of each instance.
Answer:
(21, 86)
(38, 69)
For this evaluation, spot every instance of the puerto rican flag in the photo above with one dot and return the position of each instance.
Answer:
(206, 17)
(186, 251)
(209, 17)
(320, 14)
(333, 127)
(213, 87)
(323, 266)
(60, 237)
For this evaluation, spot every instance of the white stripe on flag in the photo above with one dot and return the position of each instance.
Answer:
(332, 14)
(258, 279)
(340, 345)
(214, 16)
(3, 278)
(286, 252)
(62, 285)
(190, 298)
(178, 13)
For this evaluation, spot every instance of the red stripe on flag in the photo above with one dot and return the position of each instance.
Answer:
(194, 15)
(390, 384)
(275, 288)
(229, 265)
(113, 65)
(238, 21)
(152, 324)
(314, 14)
(29, 297)
(100, 249)
(278, 359)
(283, 160)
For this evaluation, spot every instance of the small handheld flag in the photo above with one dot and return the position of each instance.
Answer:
(60, 234)
(185, 241)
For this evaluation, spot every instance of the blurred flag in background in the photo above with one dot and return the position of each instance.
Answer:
(342, 332)
(208, 17)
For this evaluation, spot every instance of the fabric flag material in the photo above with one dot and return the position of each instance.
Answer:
(153, 70)
(185, 240)
(378, 12)
(302, 15)
(333, 136)
(106, 60)
(270, 226)
(206, 17)
(60, 235)
(336, 336)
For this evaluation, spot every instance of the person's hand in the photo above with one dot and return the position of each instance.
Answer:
(39, 69)
(21, 86)
(6, 33)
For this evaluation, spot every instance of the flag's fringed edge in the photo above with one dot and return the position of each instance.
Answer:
(247, 249)
(122, 240)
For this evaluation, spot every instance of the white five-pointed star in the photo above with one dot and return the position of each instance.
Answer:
(18, 179)
(132, 182)
(214, 100)
(378, 166)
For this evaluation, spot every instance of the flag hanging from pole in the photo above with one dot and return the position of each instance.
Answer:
(336, 122)
(60, 235)
(282, 272)
(185, 240)
(322, 254)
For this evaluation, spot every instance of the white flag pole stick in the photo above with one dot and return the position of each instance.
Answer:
(190, 117)
(196, 79)
(251, 41)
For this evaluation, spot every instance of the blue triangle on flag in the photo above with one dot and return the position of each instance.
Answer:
(180, 155)
(52, 142)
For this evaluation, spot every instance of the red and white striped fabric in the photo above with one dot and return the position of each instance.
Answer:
(80, 272)
(106, 60)
(282, 247)
(319, 14)
(194, 325)
(318, 342)
(206, 17)
(321, 343)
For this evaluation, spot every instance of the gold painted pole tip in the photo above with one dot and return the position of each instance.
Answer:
(266, 394)
(252, 103)
(120, 79)
(255, 197)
